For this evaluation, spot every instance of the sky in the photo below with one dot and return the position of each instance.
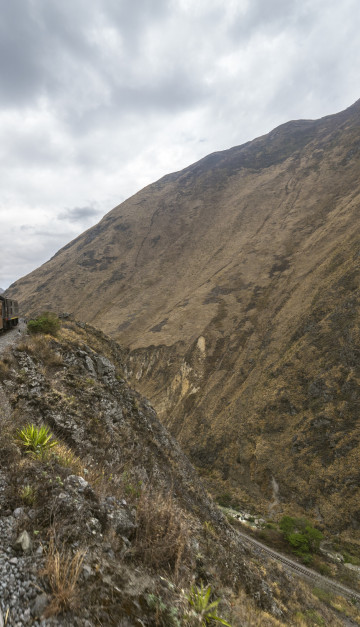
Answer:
(99, 98)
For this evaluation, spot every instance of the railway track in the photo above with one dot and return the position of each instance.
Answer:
(303, 571)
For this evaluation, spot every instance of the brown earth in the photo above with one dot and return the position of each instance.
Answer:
(235, 286)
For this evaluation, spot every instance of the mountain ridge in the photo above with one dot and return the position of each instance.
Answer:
(234, 285)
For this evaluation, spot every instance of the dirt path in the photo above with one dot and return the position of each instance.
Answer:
(10, 338)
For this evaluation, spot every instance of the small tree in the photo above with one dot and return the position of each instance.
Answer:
(314, 537)
(301, 535)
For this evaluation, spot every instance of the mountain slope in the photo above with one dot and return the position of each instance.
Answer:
(235, 285)
(118, 522)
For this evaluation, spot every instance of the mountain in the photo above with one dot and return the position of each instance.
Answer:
(1, 291)
(234, 284)
(107, 522)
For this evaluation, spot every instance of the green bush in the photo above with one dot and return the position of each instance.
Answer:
(287, 525)
(47, 323)
(314, 537)
(301, 535)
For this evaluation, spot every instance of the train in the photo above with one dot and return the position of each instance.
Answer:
(9, 313)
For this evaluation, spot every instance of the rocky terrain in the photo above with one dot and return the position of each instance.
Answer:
(110, 525)
(234, 285)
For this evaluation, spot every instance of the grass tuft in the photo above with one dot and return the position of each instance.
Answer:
(62, 570)
(162, 533)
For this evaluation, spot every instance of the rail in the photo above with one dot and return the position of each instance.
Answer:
(305, 572)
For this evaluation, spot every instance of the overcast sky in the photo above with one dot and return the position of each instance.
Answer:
(98, 98)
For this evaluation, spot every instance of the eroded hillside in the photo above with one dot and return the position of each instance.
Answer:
(111, 524)
(235, 286)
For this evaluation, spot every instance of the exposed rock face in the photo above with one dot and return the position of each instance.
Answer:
(235, 284)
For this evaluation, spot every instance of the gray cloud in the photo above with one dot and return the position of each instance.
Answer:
(78, 214)
(99, 99)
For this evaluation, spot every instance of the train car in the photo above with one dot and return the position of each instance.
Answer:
(9, 313)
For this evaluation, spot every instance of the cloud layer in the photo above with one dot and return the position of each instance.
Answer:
(98, 99)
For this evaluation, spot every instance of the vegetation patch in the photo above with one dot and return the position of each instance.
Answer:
(162, 534)
(62, 570)
(47, 323)
(38, 441)
(203, 610)
(303, 538)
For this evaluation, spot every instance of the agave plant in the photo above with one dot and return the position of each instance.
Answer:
(37, 440)
(205, 612)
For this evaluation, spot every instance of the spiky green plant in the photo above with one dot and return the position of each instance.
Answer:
(28, 494)
(204, 612)
(37, 440)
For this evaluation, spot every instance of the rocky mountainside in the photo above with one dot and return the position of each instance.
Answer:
(235, 286)
(108, 523)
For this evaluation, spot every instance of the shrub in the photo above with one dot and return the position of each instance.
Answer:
(314, 537)
(161, 539)
(47, 322)
(287, 525)
(204, 611)
(323, 595)
(301, 535)
(28, 494)
(299, 542)
(164, 615)
(37, 440)
(225, 499)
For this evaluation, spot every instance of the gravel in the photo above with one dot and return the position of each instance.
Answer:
(19, 583)
(10, 338)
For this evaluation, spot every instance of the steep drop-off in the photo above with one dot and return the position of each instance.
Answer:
(235, 285)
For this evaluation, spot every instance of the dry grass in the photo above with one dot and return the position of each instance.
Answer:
(66, 458)
(6, 363)
(42, 347)
(62, 570)
(162, 536)
(4, 370)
